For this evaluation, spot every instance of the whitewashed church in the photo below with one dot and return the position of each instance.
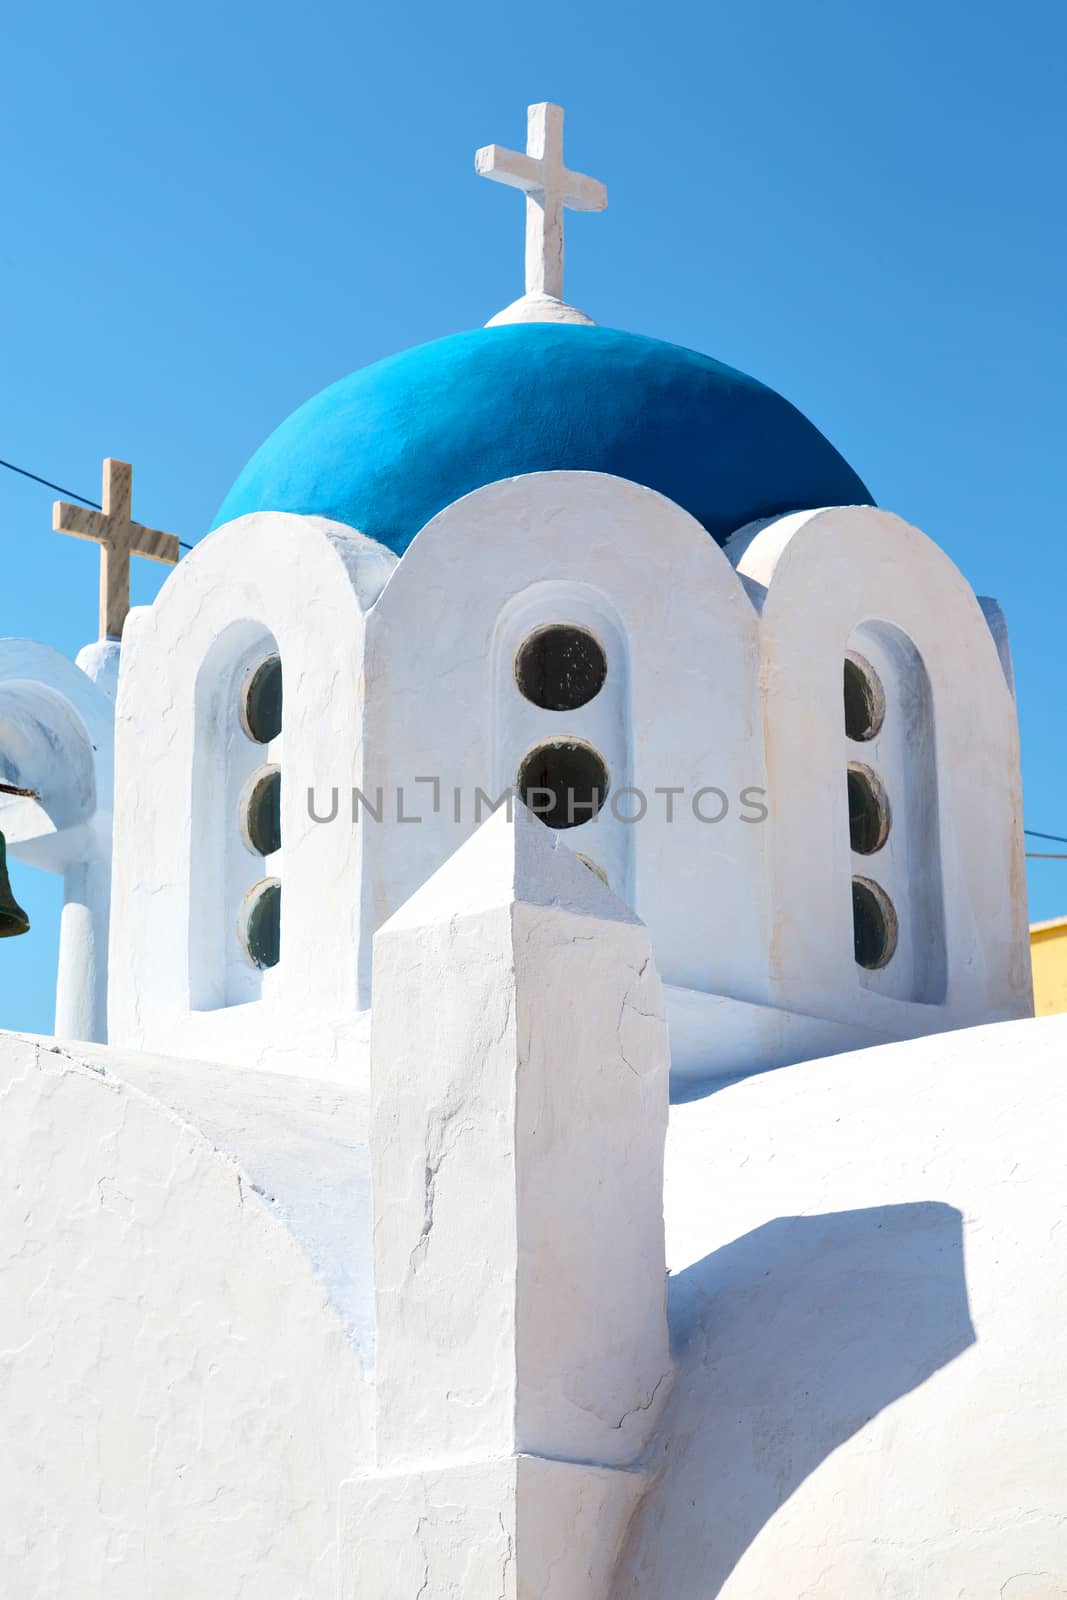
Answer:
(550, 737)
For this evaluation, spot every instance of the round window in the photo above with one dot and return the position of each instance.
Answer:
(564, 782)
(560, 667)
(262, 813)
(261, 930)
(874, 924)
(262, 710)
(864, 698)
(868, 810)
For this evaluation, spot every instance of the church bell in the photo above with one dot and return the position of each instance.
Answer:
(13, 919)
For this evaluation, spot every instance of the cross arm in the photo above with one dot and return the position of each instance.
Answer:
(583, 194)
(508, 166)
(154, 544)
(79, 521)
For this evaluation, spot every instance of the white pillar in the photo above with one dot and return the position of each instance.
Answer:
(518, 1116)
(81, 979)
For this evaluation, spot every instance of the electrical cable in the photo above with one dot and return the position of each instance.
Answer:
(70, 494)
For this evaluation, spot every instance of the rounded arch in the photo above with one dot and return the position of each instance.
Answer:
(302, 586)
(56, 738)
(863, 579)
(900, 749)
(223, 866)
(168, 1212)
(643, 567)
(44, 746)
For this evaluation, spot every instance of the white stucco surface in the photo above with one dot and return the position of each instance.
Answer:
(57, 739)
(180, 1382)
(719, 725)
(510, 1528)
(364, 1256)
(866, 1392)
(518, 1115)
(868, 1272)
(180, 981)
(947, 756)
(519, 1081)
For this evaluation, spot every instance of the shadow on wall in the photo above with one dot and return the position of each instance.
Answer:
(787, 1342)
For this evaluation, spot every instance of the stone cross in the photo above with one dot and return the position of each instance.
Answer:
(549, 186)
(119, 537)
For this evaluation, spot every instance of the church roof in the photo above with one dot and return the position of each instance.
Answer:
(389, 446)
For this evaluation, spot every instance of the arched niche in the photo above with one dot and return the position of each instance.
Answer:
(56, 739)
(685, 716)
(896, 762)
(44, 746)
(856, 578)
(232, 754)
(181, 981)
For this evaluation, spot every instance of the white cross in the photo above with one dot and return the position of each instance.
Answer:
(119, 537)
(549, 186)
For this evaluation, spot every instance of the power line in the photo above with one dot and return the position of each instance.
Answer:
(84, 499)
(11, 467)
(1032, 833)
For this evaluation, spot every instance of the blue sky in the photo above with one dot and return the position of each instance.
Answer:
(212, 211)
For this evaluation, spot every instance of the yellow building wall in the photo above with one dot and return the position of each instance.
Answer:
(1048, 953)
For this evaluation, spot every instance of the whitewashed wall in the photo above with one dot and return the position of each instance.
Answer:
(179, 979)
(948, 757)
(183, 1292)
(403, 723)
(56, 738)
(680, 705)
(517, 1123)
(867, 1279)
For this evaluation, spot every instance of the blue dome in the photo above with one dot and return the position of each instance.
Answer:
(386, 448)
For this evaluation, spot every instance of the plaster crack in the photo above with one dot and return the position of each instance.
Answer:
(441, 1135)
(645, 1405)
(648, 1016)
(509, 1556)
(425, 1584)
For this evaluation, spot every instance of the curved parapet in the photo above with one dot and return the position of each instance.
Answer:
(675, 726)
(186, 1305)
(287, 590)
(904, 811)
